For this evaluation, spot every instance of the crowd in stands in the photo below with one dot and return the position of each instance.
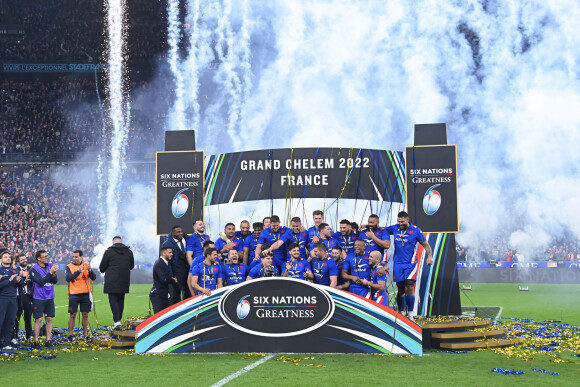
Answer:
(36, 212)
(63, 116)
(74, 30)
(562, 249)
(60, 114)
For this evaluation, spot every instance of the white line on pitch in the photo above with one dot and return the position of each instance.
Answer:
(244, 370)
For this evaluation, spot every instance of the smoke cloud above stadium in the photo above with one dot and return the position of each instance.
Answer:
(502, 75)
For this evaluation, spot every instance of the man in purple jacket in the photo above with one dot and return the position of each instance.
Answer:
(43, 275)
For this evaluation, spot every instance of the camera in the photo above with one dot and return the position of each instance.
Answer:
(268, 272)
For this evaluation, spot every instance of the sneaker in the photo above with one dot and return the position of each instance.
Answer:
(14, 342)
(7, 348)
(36, 345)
(49, 344)
(116, 325)
(70, 338)
(88, 339)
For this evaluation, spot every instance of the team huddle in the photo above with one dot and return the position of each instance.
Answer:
(351, 259)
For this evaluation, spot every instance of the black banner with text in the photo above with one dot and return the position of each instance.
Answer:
(304, 173)
(431, 181)
(179, 181)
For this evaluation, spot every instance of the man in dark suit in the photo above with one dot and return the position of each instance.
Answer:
(117, 263)
(162, 278)
(179, 267)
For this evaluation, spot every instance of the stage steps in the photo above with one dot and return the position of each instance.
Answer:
(468, 346)
(121, 338)
(464, 335)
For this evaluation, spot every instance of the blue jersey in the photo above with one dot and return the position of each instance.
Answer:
(375, 278)
(234, 274)
(300, 238)
(251, 244)
(196, 261)
(244, 238)
(346, 241)
(358, 266)
(330, 243)
(297, 269)
(255, 262)
(339, 267)
(259, 272)
(207, 275)
(405, 242)
(220, 243)
(311, 233)
(381, 233)
(195, 244)
(323, 270)
(284, 234)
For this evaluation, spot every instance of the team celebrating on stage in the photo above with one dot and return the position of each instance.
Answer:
(351, 259)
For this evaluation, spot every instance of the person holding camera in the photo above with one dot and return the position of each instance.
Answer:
(79, 275)
(43, 274)
(10, 281)
(265, 269)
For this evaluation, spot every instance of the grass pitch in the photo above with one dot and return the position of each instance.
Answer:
(114, 367)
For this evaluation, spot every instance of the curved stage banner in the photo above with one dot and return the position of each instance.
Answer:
(279, 315)
(350, 173)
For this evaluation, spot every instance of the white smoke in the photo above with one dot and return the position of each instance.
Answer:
(360, 74)
(177, 118)
(119, 111)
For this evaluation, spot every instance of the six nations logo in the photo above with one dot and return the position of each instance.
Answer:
(180, 204)
(431, 200)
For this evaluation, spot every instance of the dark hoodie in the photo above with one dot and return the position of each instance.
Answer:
(117, 264)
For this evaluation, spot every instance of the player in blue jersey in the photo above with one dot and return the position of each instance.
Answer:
(346, 237)
(406, 238)
(252, 242)
(296, 267)
(374, 236)
(265, 269)
(206, 245)
(337, 254)
(234, 272)
(207, 275)
(357, 269)
(279, 238)
(378, 282)
(194, 248)
(354, 229)
(324, 236)
(299, 235)
(244, 234)
(313, 233)
(228, 241)
(266, 222)
(323, 267)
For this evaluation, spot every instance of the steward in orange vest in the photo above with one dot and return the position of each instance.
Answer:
(79, 275)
